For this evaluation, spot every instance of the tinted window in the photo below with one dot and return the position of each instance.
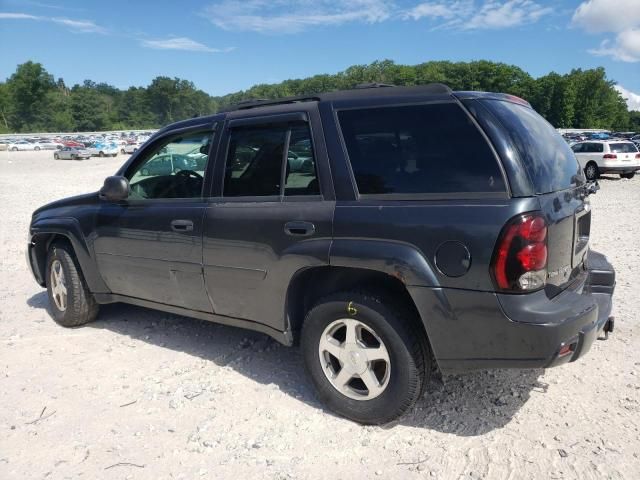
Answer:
(593, 148)
(622, 148)
(548, 159)
(418, 149)
(173, 169)
(578, 147)
(256, 162)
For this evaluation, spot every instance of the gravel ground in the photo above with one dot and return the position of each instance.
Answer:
(144, 394)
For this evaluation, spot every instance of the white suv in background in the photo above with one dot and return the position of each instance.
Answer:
(607, 156)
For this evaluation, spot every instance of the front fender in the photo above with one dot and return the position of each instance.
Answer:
(69, 228)
(400, 260)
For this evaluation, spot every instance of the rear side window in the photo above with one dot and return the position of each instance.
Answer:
(593, 148)
(622, 148)
(413, 149)
(549, 161)
(257, 166)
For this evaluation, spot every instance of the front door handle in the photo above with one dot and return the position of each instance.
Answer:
(299, 229)
(182, 225)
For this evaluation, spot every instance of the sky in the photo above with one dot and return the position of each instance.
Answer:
(224, 46)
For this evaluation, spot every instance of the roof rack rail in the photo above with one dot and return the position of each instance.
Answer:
(262, 102)
(373, 85)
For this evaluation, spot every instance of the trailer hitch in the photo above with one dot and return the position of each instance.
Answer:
(608, 328)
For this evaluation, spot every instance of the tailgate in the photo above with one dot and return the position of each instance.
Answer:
(568, 216)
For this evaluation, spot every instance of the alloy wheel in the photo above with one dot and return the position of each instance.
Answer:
(58, 285)
(354, 359)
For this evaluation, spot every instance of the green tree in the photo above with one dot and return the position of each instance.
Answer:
(28, 88)
(32, 100)
(5, 107)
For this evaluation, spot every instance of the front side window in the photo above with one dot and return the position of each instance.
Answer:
(432, 148)
(257, 166)
(173, 169)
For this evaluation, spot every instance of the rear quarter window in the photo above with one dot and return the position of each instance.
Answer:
(418, 149)
(549, 161)
(622, 148)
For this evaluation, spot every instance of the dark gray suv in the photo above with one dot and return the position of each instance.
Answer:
(430, 230)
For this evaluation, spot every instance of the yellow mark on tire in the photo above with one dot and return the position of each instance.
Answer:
(351, 310)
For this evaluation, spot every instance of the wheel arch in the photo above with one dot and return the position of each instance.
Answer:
(46, 232)
(309, 285)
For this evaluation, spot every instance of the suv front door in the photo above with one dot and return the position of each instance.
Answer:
(269, 217)
(150, 246)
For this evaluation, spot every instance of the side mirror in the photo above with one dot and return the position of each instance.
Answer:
(115, 189)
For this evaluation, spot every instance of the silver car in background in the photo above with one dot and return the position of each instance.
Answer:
(71, 153)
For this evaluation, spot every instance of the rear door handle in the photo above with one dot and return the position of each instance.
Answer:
(182, 225)
(299, 229)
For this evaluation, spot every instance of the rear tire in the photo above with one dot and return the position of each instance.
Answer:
(37, 149)
(629, 175)
(591, 171)
(398, 379)
(56, 156)
(101, 154)
(71, 302)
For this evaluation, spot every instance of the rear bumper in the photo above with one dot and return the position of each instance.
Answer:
(475, 330)
(619, 169)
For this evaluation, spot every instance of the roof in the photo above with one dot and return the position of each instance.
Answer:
(371, 91)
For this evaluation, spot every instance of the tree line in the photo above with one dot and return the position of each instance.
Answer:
(33, 100)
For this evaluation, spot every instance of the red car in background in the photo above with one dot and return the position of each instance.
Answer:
(72, 143)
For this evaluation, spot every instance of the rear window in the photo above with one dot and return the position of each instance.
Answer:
(548, 159)
(622, 148)
(416, 149)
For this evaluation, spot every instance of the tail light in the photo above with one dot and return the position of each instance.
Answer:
(612, 156)
(638, 155)
(520, 258)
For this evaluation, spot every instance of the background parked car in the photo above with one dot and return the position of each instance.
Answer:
(103, 149)
(168, 164)
(47, 145)
(72, 143)
(71, 153)
(130, 148)
(22, 145)
(607, 156)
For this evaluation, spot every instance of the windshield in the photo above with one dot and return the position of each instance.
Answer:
(548, 159)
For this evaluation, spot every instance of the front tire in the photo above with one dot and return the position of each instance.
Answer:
(37, 149)
(56, 156)
(72, 304)
(591, 171)
(366, 359)
(629, 175)
(101, 154)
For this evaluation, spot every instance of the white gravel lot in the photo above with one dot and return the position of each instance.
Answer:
(145, 394)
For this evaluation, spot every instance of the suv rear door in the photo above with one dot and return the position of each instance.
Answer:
(266, 220)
